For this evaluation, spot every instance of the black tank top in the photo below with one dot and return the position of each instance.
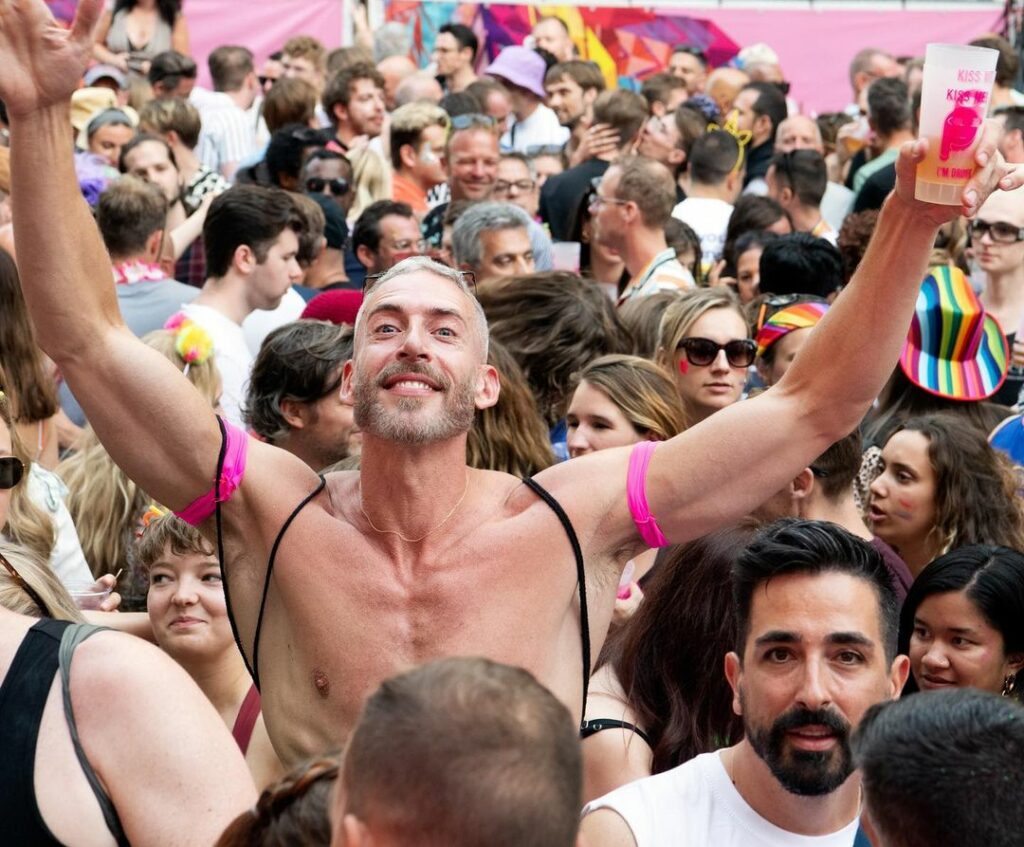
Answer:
(253, 667)
(23, 696)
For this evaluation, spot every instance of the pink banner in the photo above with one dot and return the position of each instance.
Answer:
(815, 47)
(261, 25)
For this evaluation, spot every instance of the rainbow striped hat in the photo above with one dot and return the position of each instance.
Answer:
(953, 348)
(784, 321)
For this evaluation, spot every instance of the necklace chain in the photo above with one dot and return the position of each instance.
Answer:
(405, 538)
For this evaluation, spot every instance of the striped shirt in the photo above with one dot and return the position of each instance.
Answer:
(663, 273)
(228, 134)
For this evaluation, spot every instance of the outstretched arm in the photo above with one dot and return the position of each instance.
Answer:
(723, 468)
(154, 424)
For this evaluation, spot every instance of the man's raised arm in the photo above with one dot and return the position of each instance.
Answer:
(154, 424)
(729, 464)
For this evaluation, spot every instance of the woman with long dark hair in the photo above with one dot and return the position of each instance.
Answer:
(962, 623)
(134, 31)
(659, 696)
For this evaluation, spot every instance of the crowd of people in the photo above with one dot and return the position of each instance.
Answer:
(487, 454)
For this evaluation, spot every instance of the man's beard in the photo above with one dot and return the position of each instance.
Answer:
(808, 773)
(403, 425)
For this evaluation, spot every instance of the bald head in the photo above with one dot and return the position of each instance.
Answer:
(798, 133)
(420, 86)
(394, 69)
(723, 85)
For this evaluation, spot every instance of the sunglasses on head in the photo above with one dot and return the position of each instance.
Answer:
(11, 471)
(701, 352)
(472, 119)
(337, 187)
(28, 589)
(770, 305)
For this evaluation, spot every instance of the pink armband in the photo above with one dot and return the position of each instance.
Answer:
(636, 494)
(230, 478)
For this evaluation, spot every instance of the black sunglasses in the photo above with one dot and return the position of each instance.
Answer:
(12, 469)
(338, 187)
(28, 589)
(740, 352)
(1000, 232)
(370, 280)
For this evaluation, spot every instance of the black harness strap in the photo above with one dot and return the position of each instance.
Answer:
(581, 578)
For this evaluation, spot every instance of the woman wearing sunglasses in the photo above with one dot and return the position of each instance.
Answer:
(705, 344)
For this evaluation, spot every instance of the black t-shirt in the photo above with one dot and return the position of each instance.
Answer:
(562, 194)
(875, 189)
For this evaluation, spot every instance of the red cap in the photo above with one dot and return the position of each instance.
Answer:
(338, 306)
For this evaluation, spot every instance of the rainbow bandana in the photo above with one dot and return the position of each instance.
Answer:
(953, 348)
(784, 321)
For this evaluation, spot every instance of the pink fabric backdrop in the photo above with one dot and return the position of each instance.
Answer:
(261, 25)
(815, 47)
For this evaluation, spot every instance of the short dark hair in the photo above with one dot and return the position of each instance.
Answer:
(229, 66)
(713, 157)
(991, 576)
(339, 86)
(643, 181)
(943, 769)
(889, 105)
(170, 68)
(770, 101)
(622, 110)
(464, 35)
(795, 546)
(463, 102)
(659, 87)
(1007, 63)
(286, 151)
(290, 100)
(805, 174)
(1013, 118)
(751, 212)
(800, 263)
(690, 50)
(587, 75)
(128, 213)
(299, 361)
(366, 231)
(837, 468)
(464, 746)
(143, 138)
(245, 214)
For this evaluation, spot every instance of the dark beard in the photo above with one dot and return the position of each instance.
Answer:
(807, 773)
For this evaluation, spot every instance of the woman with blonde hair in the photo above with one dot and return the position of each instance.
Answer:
(104, 502)
(371, 180)
(29, 587)
(704, 342)
(510, 436)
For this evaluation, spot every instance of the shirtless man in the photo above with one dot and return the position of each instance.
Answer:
(417, 556)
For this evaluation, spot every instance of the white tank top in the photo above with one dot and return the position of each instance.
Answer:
(696, 805)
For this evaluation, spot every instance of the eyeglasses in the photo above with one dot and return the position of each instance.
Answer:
(472, 119)
(739, 352)
(407, 245)
(337, 187)
(770, 305)
(998, 231)
(28, 589)
(596, 199)
(520, 185)
(370, 280)
(12, 469)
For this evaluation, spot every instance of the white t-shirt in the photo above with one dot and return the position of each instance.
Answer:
(47, 491)
(709, 218)
(259, 324)
(539, 130)
(696, 805)
(231, 353)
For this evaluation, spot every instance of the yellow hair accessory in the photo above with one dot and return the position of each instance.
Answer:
(732, 127)
(192, 343)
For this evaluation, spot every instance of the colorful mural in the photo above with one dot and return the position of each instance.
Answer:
(626, 43)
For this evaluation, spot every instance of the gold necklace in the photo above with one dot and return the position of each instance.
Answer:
(404, 538)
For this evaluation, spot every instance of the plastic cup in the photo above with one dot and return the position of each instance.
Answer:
(955, 97)
(88, 596)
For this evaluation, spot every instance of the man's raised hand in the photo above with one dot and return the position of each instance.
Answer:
(42, 61)
(992, 173)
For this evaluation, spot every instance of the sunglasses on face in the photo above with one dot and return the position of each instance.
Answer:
(28, 589)
(701, 352)
(337, 187)
(998, 231)
(11, 471)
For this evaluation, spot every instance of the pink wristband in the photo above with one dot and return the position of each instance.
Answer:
(636, 494)
(231, 477)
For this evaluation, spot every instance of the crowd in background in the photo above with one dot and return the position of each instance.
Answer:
(639, 262)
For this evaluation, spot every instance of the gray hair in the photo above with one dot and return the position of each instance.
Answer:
(415, 264)
(392, 39)
(481, 218)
